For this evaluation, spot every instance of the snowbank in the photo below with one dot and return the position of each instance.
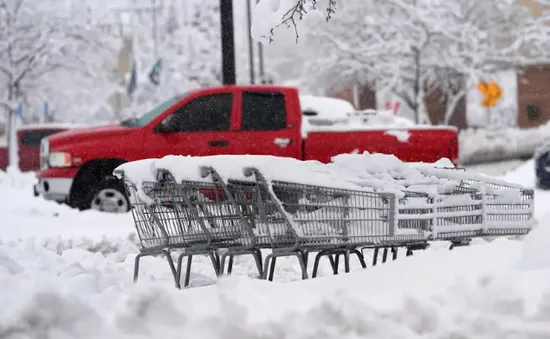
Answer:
(70, 276)
(486, 145)
(42, 218)
(479, 291)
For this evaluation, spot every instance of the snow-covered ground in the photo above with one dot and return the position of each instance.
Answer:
(496, 169)
(67, 274)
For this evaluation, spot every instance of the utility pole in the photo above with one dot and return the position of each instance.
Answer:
(250, 43)
(261, 58)
(228, 42)
(155, 28)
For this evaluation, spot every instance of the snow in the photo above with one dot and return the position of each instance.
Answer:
(485, 145)
(498, 168)
(401, 135)
(85, 301)
(385, 118)
(328, 110)
(334, 116)
(270, 14)
(365, 172)
(232, 167)
(65, 273)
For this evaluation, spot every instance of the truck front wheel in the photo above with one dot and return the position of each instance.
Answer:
(108, 196)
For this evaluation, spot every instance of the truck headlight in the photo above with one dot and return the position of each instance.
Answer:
(60, 159)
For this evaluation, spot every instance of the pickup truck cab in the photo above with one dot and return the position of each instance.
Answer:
(77, 165)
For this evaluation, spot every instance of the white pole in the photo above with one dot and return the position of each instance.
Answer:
(13, 149)
(155, 29)
(68, 6)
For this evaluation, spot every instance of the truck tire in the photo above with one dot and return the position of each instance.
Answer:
(109, 195)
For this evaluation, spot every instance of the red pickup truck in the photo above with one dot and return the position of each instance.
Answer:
(28, 138)
(77, 165)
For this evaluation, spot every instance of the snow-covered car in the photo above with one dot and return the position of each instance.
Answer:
(542, 166)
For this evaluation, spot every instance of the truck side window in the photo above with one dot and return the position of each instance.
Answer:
(263, 111)
(209, 113)
(32, 138)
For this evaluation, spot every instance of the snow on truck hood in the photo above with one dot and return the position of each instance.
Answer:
(84, 134)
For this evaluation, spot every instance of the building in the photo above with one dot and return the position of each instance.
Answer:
(532, 96)
(364, 97)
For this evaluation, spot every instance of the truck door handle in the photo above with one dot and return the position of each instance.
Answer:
(218, 143)
(282, 142)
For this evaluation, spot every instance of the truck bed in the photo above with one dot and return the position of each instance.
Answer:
(409, 144)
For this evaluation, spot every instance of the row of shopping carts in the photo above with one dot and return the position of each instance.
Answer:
(224, 217)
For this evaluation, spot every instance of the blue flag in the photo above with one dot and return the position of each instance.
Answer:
(154, 74)
(46, 110)
(20, 110)
(132, 83)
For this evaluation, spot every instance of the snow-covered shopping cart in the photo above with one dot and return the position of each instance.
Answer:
(225, 206)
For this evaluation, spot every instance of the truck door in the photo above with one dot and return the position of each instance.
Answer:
(200, 127)
(264, 125)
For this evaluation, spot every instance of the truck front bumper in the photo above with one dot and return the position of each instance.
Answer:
(57, 189)
(55, 183)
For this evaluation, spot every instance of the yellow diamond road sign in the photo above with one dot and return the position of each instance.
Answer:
(491, 93)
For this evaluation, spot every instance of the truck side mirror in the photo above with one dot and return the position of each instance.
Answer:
(165, 126)
(162, 128)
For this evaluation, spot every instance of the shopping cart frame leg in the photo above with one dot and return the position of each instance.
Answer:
(168, 256)
(255, 253)
(271, 259)
(334, 258)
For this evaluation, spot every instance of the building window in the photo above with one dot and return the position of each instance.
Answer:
(533, 112)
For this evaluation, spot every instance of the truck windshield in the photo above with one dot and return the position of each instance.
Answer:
(152, 114)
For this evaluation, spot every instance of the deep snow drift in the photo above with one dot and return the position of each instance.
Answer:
(67, 274)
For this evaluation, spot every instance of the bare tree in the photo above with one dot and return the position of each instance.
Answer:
(378, 43)
(190, 54)
(416, 46)
(35, 42)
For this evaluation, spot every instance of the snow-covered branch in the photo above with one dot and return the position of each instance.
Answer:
(271, 14)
